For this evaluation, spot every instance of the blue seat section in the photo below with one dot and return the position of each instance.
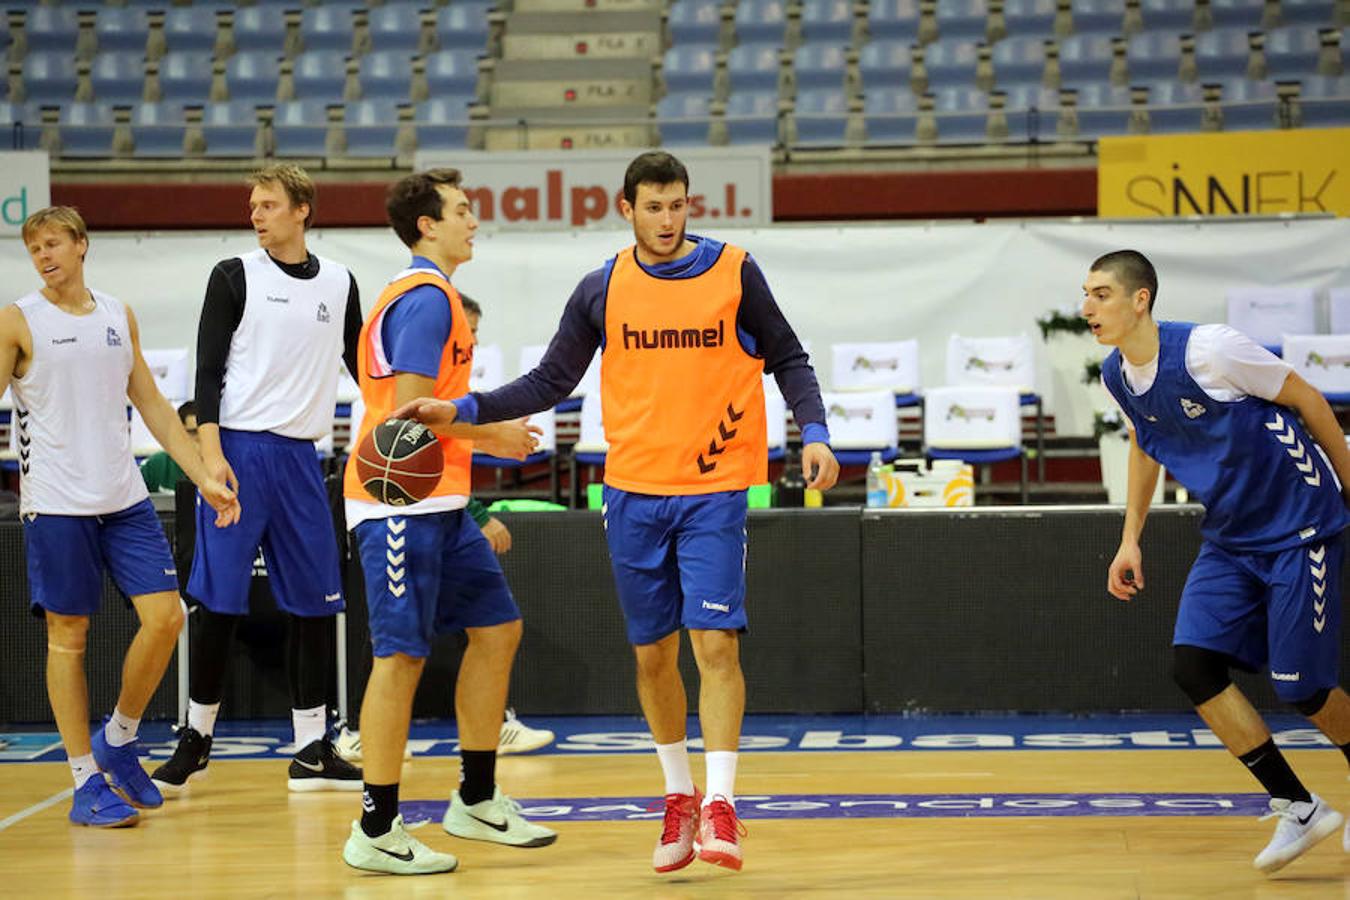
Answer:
(19, 113)
(1103, 110)
(1153, 56)
(1019, 59)
(690, 69)
(1308, 12)
(890, 115)
(1030, 96)
(962, 115)
(1029, 18)
(371, 127)
(157, 129)
(695, 22)
(300, 127)
(1222, 53)
(1174, 107)
(1032, 112)
(463, 25)
(1237, 13)
(827, 20)
(761, 22)
(1325, 101)
(893, 20)
(229, 128)
(752, 117)
(443, 123)
(753, 67)
(253, 76)
(820, 66)
(395, 26)
(86, 129)
(884, 64)
(51, 29)
(683, 120)
(121, 30)
(327, 27)
(259, 29)
(1085, 58)
(822, 117)
(185, 76)
(1249, 105)
(962, 20)
(1168, 15)
(118, 77)
(452, 72)
(49, 76)
(1292, 52)
(320, 75)
(190, 28)
(385, 74)
(1098, 16)
(950, 62)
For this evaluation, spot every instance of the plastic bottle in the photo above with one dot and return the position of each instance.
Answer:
(876, 481)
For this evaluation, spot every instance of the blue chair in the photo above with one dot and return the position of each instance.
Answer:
(1325, 101)
(1222, 54)
(372, 128)
(752, 117)
(695, 22)
(862, 423)
(1032, 112)
(1085, 58)
(893, 20)
(328, 27)
(157, 129)
(1249, 105)
(253, 76)
(885, 64)
(683, 120)
(452, 72)
(1245, 14)
(827, 21)
(1153, 56)
(189, 28)
(1019, 59)
(122, 30)
(1030, 18)
(962, 20)
(1103, 110)
(1174, 107)
(1098, 16)
(761, 22)
(890, 115)
(754, 67)
(820, 66)
(118, 77)
(962, 115)
(230, 129)
(690, 69)
(950, 62)
(443, 123)
(49, 77)
(385, 75)
(1292, 52)
(821, 116)
(51, 29)
(1168, 15)
(185, 76)
(463, 26)
(1307, 12)
(395, 27)
(260, 29)
(86, 129)
(301, 127)
(980, 425)
(320, 75)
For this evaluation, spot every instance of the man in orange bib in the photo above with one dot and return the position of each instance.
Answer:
(686, 326)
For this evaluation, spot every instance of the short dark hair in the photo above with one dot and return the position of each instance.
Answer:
(653, 167)
(1133, 270)
(185, 409)
(417, 195)
(470, 305)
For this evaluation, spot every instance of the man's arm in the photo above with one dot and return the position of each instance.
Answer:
(222, 310)
(351, 329)
(507, 440)
(15, 343)
(1318, 418)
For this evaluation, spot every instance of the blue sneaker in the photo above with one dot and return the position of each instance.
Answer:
(123, 768)
(95, 804)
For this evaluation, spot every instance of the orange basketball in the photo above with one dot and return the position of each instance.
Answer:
(400, 462)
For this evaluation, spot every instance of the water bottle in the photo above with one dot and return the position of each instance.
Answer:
(876, 482)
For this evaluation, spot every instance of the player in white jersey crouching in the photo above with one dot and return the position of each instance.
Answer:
(73, 358)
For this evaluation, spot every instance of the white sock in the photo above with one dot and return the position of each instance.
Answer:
(721, 775)
(675, 766)
(120, 730)
(83, 768)
(202, 717)
(309, 725)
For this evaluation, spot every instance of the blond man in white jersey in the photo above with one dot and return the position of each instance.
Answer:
(73, 359)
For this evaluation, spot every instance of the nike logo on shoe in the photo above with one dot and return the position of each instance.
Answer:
(313, 767)
(1304, 820)
(493, 825)
(405, 856)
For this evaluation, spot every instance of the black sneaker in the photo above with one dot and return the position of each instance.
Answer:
(188, 761)
(318, 767)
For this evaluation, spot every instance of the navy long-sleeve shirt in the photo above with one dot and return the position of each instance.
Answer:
(761, 328)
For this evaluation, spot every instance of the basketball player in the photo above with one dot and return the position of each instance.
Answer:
(687, 325)
(275, 325)
(429, 569)
(73, 357)
(1223, 415)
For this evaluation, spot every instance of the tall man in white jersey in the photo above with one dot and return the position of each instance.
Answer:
(275, 326)
(73, 359)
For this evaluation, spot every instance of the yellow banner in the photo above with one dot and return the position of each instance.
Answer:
(1305, 170)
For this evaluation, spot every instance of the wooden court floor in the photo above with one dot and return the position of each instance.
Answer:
(241, 835)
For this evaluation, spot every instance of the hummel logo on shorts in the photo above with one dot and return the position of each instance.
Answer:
(719, 607)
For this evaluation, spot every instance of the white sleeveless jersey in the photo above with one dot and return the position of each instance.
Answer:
(72, 432)
(282, 370)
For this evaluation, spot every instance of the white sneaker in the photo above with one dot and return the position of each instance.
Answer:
(348, 745)
(1300, 826)
(395, 852)
(497, 820)
(517, 737)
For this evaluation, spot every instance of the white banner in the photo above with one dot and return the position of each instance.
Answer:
(532, 190)
(25, 187)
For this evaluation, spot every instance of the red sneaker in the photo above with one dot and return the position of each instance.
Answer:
(719, 835)
(675, 849)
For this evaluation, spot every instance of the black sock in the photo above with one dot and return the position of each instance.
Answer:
(477, 775)
(379, 806)
(1268, 765)
(309, 660)
(210, 654)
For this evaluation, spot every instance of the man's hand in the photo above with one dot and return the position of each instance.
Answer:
(1126, 576)
(222, 499)
(497, 535)
(430, 412)
(819, 467)
(218, 469)
(508, 440)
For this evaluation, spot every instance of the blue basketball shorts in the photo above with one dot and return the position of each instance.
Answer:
(284, 510)
(428, 575)
(68, 554)
(678, 561)
(1281, 609)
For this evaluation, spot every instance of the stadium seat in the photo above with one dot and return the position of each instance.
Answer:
(1324, 101)
(695, 22)
(962, 115)
(395, 26)
(820, 66)
(385, 74)
(1267, 314)
(301, 127)
(118, 77)
(121, 30)
(893, 20)
(754, 67)
(1174, 107)
(230, 129)
(253, 76)
(86, 129)
(443, 123)
(185, 76)
(1168, 15)
(1249, 105)
(828, 21)
(1245, 14)
(821, 117)
(683, 120)
(1308, 12)
(49, 77)
(885, 365)
(752, 117)
(1019, 59)
(861, 423)
(372, 128)
(189, 29)
(890, 115)
(962, 20)
(950, 62)
(1029, 18)
(328, 27)
(1085, 58)
(157, 129)
(320, 75)
(761, 22)
(1292, 52)
(1323, 360)
(1103, 110)
(1153, 56)
(690, 69)
(452, 72)
(260, 29)
(885, 64)
(979, 424)
(1098, 16)
(1032, 112)
(51, 29)
(463, 26)
(1222, 53)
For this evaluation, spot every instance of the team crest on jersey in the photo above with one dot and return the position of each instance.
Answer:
(1192, 409)
(323, 313)
(113, 339)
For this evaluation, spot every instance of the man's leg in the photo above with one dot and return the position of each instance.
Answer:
(721, 705)
(211, 638)
(386, 711)
(1332, 717)
(480, 703)
(147, 658)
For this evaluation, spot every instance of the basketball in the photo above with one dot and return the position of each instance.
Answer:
(399, 462)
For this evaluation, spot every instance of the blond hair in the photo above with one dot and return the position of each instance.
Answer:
(295, 181)
(66, 218)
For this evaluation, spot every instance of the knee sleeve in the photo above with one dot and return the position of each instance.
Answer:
(1311, 706)
(1202, 674)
